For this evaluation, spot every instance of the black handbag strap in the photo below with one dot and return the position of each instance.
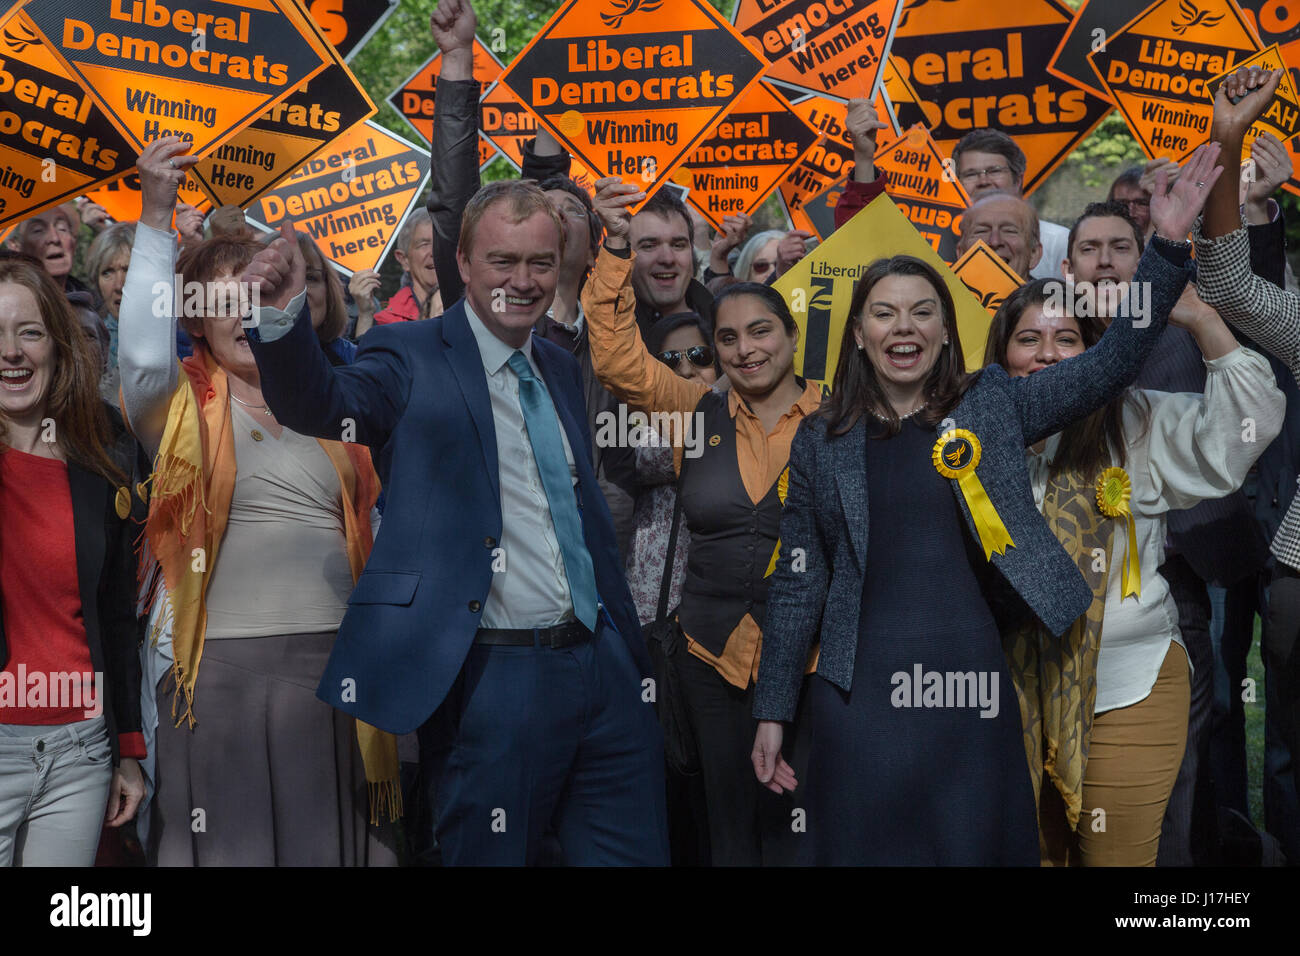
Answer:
(665, 585)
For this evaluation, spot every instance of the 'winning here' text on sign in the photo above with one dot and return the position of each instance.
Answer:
(631, 87)
(203, 69)
(352, 197)
(55, 143)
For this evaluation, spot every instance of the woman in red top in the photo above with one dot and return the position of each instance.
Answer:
(69, 668)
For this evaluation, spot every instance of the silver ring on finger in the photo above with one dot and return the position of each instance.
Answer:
(1200, 185)
(171, 163)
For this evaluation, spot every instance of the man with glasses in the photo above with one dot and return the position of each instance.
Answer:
(988, 160)
(1128, 190)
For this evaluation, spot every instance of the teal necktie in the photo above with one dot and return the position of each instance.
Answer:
(548, 448)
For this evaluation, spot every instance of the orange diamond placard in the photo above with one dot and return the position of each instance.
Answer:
(285, 136)
(973, 64)
(1157, 67)
(828, 160)
(414, 99)
(632, 87)
(747, 155)
(989, 278)
(352, 197)
(55, 143)
(203, 70)
(828, 47)
(924, 189)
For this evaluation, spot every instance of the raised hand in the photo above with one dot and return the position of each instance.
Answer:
(792, 247)
(1148, 180)
(453, 25)
(731, 235)
(864, 124)
(279, 271)
(1251, 88)
(1272, 167)
(189, 223)
(92, 214)
(1173, 211)
(613, 196)
(362, 287)
(162, 167)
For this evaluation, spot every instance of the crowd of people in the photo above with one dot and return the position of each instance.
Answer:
(314, 564)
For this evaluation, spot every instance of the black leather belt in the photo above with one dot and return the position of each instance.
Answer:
(558, 635)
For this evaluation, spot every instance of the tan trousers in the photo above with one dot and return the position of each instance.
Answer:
(1133, 759)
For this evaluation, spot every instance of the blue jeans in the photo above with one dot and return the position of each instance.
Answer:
(53, 792)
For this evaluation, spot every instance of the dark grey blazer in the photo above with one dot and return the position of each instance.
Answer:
(826, 508)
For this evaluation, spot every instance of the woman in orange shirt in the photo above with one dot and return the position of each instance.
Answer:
(730, 460)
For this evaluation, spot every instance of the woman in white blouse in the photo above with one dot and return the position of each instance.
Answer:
(1105, 708)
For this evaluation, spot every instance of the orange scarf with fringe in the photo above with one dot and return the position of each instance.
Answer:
(192, 486)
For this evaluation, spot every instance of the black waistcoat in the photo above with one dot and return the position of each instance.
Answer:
(732, 539)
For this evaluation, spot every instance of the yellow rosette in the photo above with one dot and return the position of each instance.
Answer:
(955, 455)
(1114, 491)
(782, 489)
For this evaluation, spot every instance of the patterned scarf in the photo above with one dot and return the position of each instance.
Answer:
(1056, 680)
(192, 486)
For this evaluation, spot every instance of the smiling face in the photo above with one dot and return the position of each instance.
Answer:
(901, 330)
(754, 349)
(1105, 252)
(111, 278)
(663, 268)
(417, 258)
(1005, 223)
(223, 331)
(521, 260)
(51, 237)
(973, 162)
(1040, 340)
(26, 355)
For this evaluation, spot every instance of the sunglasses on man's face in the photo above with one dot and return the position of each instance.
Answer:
(701, 356)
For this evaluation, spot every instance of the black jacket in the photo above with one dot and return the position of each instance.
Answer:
(106, 573)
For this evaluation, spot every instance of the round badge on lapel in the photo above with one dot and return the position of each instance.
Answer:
(955, 456)
(956, 452)
(257, 436)
(142, 489)
(122, 503)
(715, 441)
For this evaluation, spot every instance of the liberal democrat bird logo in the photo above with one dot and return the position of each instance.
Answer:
(957, 453)
(1195, 17)
(18, 37)
(624, 7)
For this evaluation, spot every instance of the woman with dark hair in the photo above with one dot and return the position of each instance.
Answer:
(1105, 709)
(255, 538)
(730, 463)
(909, 540)
(329, 311)
(681, 343)
(70, 749)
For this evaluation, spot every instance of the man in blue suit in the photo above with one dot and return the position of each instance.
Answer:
(493, 614)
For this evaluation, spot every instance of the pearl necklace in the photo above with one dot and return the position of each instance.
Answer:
(903, 418)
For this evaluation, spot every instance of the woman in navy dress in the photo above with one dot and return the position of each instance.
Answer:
(916, 755)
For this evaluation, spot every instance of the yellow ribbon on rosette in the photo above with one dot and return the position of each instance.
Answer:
(1114, 491)
(782, 489)
(955, 455)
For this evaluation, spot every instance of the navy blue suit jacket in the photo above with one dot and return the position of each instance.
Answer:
(417, 395)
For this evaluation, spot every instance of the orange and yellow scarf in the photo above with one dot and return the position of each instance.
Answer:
(192, 486)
